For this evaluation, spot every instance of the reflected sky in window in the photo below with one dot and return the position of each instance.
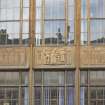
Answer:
(54, 19)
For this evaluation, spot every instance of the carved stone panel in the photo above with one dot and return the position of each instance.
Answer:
(54, 56)
(93, 56)
(13, 57)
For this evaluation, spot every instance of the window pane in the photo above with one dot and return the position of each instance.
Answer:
(93, 102)
(53, 96)
(100, 93)
(25, 39)
(70, 78)
(93, 92)
(25, 78)
(25, 96)
(54, 78)
(9, 78)
(83, 96)
(38, 95)
(70, 96)
(97, 77)
(97, 8)
(83, 8)
(53, 9)
(84, 77)
(38, 78)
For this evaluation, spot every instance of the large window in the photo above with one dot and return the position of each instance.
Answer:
(52, 88)
(14, 88)
(97, 21)
(14, 22)
(92, 22)
(54, 22)
(92, 87)
(84, 20)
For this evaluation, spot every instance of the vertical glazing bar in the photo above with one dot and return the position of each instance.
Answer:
(31, 77)
(88, 87)
(42, 90)
(20, 89)
(65, 93)
(77, 50)
(21, 22)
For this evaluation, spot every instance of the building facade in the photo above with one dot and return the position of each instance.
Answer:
(52, 52)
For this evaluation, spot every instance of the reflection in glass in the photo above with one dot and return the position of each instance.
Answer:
(97, 8)
(84, 32)
(92, 91)
(52, 86)
(25, 96)
(84, 78)
(38, 78)
(13, 85)
(25, 39)
(10, 21)
(38, 39)
(70, 96)
(54, 21)
(97, 31)
(37, 95)
(97, 78)
(53, 78)
(70, 78)
(26, 13)
(84, 8)
(9, 78)
(83, 96)
(54, 95)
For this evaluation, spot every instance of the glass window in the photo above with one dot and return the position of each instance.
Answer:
(84, 23)
(11, 78)
(70, 95)
(53, 78)
(53, 95)
(53, 25)
(38, 78)
(13, 86)
(93, 91)
(97, 8)
(70, 78)
(97, 21)
(84, 78)
(97, 77)
(50, 87)
(11, 19)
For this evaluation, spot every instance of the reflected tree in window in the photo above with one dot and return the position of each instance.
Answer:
(3, 36)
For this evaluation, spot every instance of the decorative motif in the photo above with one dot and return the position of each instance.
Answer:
(92, 56)
(12, 57)
(54, 56)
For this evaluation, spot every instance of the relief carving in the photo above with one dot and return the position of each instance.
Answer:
(54, 56)
(12, 57)
(93, 56)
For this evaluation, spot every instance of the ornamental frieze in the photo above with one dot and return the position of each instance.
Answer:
(13, 57)
(54, 56)
(91, 56)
